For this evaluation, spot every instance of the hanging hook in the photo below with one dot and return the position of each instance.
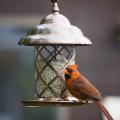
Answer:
(55, 7)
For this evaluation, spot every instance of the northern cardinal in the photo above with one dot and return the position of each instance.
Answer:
(81, 88)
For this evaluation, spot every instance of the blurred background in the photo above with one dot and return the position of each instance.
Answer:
(98, 19)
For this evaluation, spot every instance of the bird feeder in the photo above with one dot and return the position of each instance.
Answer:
(54, 41)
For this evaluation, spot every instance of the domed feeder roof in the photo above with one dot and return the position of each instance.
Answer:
(57, 30)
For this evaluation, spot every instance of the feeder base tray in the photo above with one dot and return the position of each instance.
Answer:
(58, 102)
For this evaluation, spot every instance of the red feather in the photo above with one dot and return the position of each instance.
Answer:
(81, 88)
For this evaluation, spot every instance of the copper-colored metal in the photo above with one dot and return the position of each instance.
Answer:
(55, 7)
(55, 1)
(58, 102)
(54, 40)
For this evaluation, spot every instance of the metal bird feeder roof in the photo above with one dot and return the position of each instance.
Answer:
(55, 29)
(54, 40)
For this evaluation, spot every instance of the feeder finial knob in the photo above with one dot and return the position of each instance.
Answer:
(55, 7)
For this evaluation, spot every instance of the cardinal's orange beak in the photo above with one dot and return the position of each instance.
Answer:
(65, 71)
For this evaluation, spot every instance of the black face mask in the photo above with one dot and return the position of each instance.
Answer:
(67, 76)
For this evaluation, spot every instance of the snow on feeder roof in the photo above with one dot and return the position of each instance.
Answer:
(55, 29)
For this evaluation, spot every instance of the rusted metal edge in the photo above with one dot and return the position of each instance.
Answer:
(38, 103)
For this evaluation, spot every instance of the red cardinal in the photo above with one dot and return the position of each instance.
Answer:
(81, 88)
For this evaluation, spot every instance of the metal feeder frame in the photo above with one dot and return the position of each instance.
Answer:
(54, 42)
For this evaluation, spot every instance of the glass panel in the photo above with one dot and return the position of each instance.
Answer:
(50, 61)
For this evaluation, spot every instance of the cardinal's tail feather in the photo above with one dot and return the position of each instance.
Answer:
(103, 110)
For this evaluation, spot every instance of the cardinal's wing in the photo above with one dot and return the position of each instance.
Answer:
(86, 90)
